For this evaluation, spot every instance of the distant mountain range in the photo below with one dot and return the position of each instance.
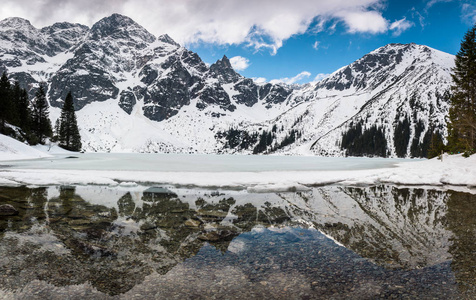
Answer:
(137, 92)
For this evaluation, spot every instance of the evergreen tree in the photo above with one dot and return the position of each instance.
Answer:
(56, 131)
(401, 137)
(24, 112)
(364, 142)
(15, 96)
(436, 145)
(5, 100)
(68, 132)
(41, 123)
(462, 116)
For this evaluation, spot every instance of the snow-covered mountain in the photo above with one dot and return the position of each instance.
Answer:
(137, 92)
(383, 89)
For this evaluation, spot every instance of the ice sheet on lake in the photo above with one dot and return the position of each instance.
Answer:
(255, 173)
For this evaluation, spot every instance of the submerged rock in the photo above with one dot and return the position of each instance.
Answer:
(8, 210)
(220, 235)
(192, 223)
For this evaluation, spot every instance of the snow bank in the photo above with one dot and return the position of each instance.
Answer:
(11, 149)
(453, 170)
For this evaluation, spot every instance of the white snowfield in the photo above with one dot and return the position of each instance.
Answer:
(253, 173)
(11, 149)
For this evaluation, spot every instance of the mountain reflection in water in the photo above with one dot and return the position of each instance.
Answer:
(91, 241)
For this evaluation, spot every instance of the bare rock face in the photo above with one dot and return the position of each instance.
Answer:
(8, 210)
(223, 71)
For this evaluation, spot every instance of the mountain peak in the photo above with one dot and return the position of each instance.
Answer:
(117, 19)
(225, 62)
(118, 26)
(15, 23)
(167, 39)
(224, 71)
(377, 66)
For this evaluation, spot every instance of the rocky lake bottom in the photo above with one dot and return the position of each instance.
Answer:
(165, 242)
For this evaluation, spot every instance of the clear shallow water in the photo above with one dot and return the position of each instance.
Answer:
(202, 163)
(165, 243)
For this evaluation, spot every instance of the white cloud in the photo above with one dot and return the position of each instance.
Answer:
(316, 45)
(296, 79)
(364, 21)
(239, 63)
(259, 80)
(430, 3)
(419, 16)
(469, 12)
(259, 24)
(400, 26)
(320, 76)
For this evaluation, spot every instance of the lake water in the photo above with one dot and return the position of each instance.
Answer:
(164, 242)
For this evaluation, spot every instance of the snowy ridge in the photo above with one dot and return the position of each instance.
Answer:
(126, 82)
(416, 91)
(385, 86)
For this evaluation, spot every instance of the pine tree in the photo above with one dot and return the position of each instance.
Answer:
(56, 131)
(24, 112)
(401, 137)
(436, 145)
(68, 132)
(41, 123)
(462, 116)
(15, 96)
(5, 100)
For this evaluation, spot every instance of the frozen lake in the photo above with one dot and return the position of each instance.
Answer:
(202, 163)
(253, 172)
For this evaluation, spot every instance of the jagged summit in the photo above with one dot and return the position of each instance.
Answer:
(223, 70)
(118, 26)
(373, 69)
(167, 39)
(15, 23)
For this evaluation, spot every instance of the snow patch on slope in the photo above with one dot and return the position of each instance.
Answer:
(11, 149)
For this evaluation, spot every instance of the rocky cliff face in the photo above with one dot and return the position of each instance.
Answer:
(121, 74)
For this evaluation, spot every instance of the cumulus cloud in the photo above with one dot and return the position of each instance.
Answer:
(259, 24)
(259, 80)
(296, 79)
(364, 21)
(239, 63)
(400, 26)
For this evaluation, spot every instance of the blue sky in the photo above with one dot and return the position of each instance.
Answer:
(439, 24)
(290, 41)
